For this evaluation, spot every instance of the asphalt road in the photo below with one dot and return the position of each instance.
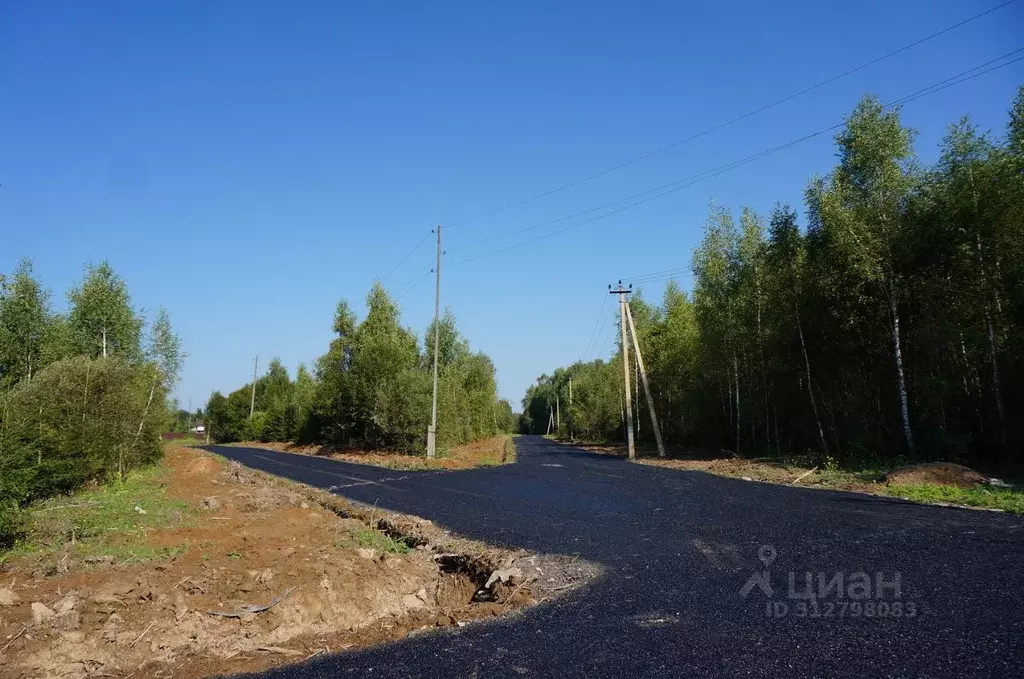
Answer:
(677, 550)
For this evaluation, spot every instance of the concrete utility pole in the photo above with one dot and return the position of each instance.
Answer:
(558, 414)
(432, 429)
(636, 375)
(647, 387)
(252, 399)
(571, 438)
(622, 292)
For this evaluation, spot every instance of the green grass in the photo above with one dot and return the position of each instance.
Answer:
(103, 521)
(374, 539)
(1007, 499)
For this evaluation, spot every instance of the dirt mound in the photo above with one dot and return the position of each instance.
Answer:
(264, 572)
(940, 473)
(202, 466)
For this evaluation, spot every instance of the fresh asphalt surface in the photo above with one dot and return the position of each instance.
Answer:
(676, 549)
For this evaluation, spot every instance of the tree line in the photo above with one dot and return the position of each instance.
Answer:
(371, 388)
(889, 325)
(82, 393)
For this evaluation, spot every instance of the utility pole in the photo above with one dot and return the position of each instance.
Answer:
(432, 429)
(622, 292)
(252, 399)
(647, 387)
(558, 414)
(207, 423)
(636, 375)
(571, 438)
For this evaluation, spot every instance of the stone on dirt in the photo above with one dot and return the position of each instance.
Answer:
(8, 597)
(41, 613)
(504, 575)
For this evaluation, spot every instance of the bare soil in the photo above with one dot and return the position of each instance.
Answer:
(273, 573)
(942, 473)
(485, 452)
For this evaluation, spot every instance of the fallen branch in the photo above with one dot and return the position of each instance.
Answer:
(245, 610)
(804, 475)
(139, 638)
(74, 506)
(8, 644)
(278, 649)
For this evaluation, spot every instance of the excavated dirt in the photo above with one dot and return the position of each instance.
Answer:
(944, 473)
(272, 574)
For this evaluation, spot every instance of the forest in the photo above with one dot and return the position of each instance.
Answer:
(83, 394)
(372, 388)
(888, 326)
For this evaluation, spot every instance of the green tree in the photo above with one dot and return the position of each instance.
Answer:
(24, 320)
(102, 319)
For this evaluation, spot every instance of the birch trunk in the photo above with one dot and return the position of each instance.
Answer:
(736, 377)
(810, 386)
(142, 423)
(898, 358)
(996, 390)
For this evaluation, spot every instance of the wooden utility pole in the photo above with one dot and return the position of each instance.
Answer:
(252, 399)
(432, 429)
(647, 387)
(622, 292)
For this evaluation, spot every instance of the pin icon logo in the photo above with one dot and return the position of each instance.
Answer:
(762, 579)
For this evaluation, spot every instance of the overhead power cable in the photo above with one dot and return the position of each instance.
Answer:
(597, 324)
(415, 280)
(408, 255)
(672, 187)
(744, 116)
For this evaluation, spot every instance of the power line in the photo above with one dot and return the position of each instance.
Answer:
(737, 119)
(408, 255)
(672, 187)
(415, 280)
(597, 324)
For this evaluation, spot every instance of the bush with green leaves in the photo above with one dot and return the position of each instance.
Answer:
(82, 397)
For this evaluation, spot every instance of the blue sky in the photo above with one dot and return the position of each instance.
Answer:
(246, 165)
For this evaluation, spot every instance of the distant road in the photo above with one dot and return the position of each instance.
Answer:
(677, 549)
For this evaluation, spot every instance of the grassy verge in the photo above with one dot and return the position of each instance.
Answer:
(1005, 499)
(103, 524)
(825, 473)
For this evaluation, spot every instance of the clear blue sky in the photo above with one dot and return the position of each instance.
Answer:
(247, 164)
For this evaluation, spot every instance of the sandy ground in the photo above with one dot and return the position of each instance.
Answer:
(254, 542)
(485, 452)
